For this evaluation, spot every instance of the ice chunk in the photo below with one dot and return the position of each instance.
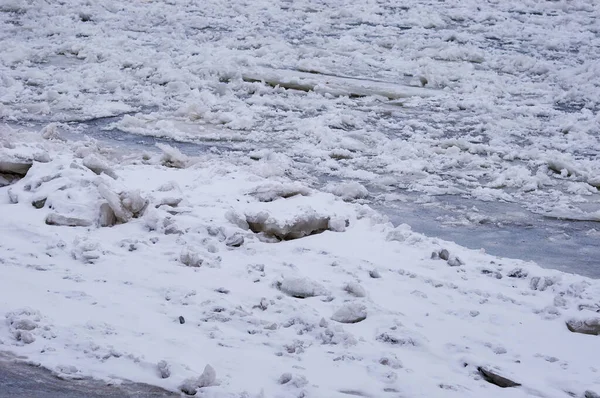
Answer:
(163, 369)
(237, 219)
(122, 214)
(207, 378)
(125, 205)
(270, 192)
(300, 226)
(350, 313)
(348, 190)
(190, 258)
(59, 219)
(15, 166)
(301, 287)
(106, 217)
(172, 157)
(587, 326)
(355, 289)
(98, 166)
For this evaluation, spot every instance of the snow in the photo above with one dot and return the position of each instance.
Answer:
(262, 270)
(350, 313)
(106, 301)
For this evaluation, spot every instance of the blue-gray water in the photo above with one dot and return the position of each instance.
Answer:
(506, 230)
(21, 380)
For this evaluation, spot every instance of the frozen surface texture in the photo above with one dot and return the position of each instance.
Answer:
(254, 264)
(502, 97)
(184, 296)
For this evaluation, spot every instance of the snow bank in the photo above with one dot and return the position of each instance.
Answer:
(159, 297)
(113, 268)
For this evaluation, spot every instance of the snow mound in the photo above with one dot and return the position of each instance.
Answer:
(16, 160)
(586, 326)
(293, 218)
(271, 192)
(348, 191)
(299, 287)
(206, 379)
(172, 157)
(26, 324)
(350, 313)
(309, 222)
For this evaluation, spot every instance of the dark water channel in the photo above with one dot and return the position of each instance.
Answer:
(21, 380)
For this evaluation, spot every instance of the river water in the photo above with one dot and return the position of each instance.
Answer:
(22, 380)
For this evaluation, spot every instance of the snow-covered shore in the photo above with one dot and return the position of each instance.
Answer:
(361, 308)
(229, 273)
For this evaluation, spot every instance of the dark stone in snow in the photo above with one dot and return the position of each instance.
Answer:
(496, 379)
(590, 394)
(181, 320)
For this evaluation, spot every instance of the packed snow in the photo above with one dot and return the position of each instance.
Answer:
(179, 291)
(260, 267)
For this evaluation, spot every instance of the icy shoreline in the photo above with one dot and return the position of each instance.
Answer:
(227, 272)
(379, 316)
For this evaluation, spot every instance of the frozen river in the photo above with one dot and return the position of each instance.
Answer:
(473, 122)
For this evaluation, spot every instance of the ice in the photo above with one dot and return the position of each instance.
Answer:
(301, 287)
(172, 157)
(263, 302)
(270, 192)
(206, 379)
(58, 219)
(586, 326)
(98, 166)
(355, 289)
(333, 85)
(350, 313)
(348, 191)
(308, 222)
(284, 130)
